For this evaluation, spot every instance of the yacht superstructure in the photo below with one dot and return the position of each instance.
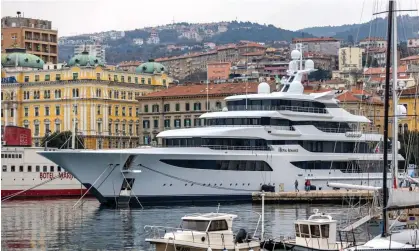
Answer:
(268, 138)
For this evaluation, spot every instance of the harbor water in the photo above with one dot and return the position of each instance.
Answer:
(55, 225)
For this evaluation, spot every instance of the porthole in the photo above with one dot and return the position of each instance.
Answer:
(170, 184)
(248, 184)
(231, 184)
(164, 185)
(186, 185)
(191, 184)
(236, 184)
(243, 184)
(221, 184)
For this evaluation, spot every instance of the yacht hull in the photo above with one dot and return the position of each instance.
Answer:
(153, 181)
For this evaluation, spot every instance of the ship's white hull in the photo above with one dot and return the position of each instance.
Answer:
(158, 182)
(20, 177)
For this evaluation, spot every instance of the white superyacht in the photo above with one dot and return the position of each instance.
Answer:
(268, 139)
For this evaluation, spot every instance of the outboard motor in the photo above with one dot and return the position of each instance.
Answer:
(241, 236)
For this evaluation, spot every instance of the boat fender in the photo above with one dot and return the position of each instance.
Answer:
(241, 236)
(209, 249)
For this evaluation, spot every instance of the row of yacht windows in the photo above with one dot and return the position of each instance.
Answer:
(231, 165)
(344, 166)
(30, 168)
(11, 156)
(274, 104)
(339, 126)
(261, 144)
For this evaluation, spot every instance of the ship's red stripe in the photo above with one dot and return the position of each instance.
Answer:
(44, 193)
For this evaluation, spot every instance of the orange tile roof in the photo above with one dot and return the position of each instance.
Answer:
(201, 89)
(251, 44)
(255, 53)
(356, 96)
(410, 58)
(380, 70)
(411, 91)
(315, 39)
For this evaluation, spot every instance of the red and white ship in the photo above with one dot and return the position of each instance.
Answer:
(25, 173)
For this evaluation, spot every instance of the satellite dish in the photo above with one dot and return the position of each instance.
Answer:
(295, 54)
(293, 66)
(264, 88)
(401, 111)
(309, 64)
(402, 85)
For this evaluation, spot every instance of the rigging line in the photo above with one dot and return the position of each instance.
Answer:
(197, 183)
(360, 20)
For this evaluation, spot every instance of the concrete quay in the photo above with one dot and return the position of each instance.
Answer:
(332, 197)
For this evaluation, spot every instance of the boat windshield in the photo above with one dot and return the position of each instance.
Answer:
(197, 225)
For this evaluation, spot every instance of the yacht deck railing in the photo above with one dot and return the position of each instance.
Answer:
(277, 108)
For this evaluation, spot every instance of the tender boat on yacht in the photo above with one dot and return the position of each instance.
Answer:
(202, 232)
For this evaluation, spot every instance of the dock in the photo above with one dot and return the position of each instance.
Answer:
(314, 196)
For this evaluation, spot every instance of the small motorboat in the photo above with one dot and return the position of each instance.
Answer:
(203, 232)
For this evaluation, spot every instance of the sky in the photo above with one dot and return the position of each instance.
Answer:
(73, 17)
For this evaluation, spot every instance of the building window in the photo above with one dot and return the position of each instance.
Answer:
(145, 108)
(167, 123)
(130, 129)
(36, 133)
(177, 123)
(123, 111)
(187, 122)
(57, 110)
(47, 94)
(146, 124)
(26, 111)
(142, 80)
(37, 168)
(47, 129)
(36, 95)
(136, 80)
(149, 81)
(116, 94)
(57, 127)
(187, 107)
(4, 169)
(75, 109)
(26, 78)
(29, 169)
(130, 111)
(167, 107)
(155, 108)
(98, 76)
(122, 79)
(177, 107)
(197, 122)
(75, 93)
(116, 128)
(36, 111)
(99, 127)
(12, 112)
(116, 111)
(12, 168)
(137, 112)
(58, 77)
(109, 110)
(57, 94)
(36, 78)
(156, 123)
(115, 78)
(98, 93)
(47, 77)
(110, 128)
(45, 169)
(129, 79)
(110, 94)
(46, 110)
(164, 82)
(75, 76)
(197, 106)
(98, 109)
(137, 129)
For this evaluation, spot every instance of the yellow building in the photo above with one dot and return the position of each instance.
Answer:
(409, 99)
(102, 101)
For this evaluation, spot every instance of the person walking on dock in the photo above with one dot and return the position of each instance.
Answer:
(307, 185)
(296, 186)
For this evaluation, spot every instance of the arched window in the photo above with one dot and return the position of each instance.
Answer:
(406, 128)
(400, 128)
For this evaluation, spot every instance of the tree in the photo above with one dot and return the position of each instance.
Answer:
(62, 140)
(370, 61)
(320, 74)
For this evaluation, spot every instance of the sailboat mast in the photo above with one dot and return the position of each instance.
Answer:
(395, 103)
(386, 107)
